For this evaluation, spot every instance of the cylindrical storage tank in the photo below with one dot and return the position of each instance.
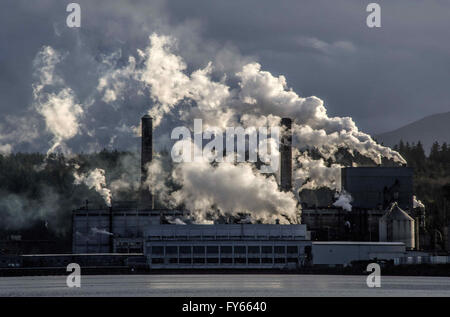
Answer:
(397, 226)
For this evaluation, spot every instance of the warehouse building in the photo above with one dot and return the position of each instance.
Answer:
(242, 246)
(343, 253)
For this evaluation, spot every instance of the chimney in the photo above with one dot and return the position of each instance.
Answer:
(286, 155)
(146, 199)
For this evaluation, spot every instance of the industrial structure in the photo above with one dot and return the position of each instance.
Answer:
(146, 199)
(343, 253)
(286, 155)
(379, 187)
(373, 190)
(397, 225)
(117, 229)
(120, 227)
(138, 227)
(227, 246)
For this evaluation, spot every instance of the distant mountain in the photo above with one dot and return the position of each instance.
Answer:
(427, 130)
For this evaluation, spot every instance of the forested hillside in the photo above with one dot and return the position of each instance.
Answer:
(431, 179)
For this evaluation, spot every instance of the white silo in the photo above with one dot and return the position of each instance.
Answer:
(397, 226)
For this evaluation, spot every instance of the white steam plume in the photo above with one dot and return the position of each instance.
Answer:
(417, 203)
(227, 189)
(344, 200)
(101, 231)
(311, 174)
(258, 99)
(53, 100)
(95, 179)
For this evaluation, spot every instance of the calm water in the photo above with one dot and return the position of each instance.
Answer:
(224, 285)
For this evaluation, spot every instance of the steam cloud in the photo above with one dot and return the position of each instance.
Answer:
(417, 203)
(260, 99)
(344, 200)
(95, 179)
(247, 97)
(53, 100)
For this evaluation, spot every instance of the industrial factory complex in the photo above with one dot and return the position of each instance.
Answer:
(381, 225)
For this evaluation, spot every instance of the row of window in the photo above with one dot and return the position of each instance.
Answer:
(223, 260)
(115, 215)
(180, 236)
(214, 249)
(129, 250)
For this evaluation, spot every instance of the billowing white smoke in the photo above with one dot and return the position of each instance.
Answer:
(417, 203)
(260, 99)
(5, 149)
(225, 189)
(260, 96)
(344, 200)
(95, 179)
(232, 189)
(309, 173)
(53, 100)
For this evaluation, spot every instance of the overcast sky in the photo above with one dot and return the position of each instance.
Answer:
(382, 77)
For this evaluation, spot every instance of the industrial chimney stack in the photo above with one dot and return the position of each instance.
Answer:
(286, 155)
(146, 199)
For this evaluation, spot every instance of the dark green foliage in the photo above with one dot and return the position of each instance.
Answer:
(431, 180)
(38, 194)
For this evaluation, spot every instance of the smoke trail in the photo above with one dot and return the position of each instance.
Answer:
(101, 231)
(226, 189)
(54, 101)
(314, 173)
(260, 99)
(95, 179)
(344, 200)
(417, 203)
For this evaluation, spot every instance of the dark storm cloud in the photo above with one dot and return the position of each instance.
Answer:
(383, 78)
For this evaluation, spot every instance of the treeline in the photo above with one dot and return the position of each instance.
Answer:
(38, 194)
(437, 163)
(431, 180)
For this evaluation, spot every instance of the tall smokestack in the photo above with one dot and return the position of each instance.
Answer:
(286, 155)
(146, 199)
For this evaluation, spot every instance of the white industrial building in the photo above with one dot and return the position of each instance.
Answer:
(342, 253)
(226, 246)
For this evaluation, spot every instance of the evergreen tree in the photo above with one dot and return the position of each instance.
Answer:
(434, 153)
